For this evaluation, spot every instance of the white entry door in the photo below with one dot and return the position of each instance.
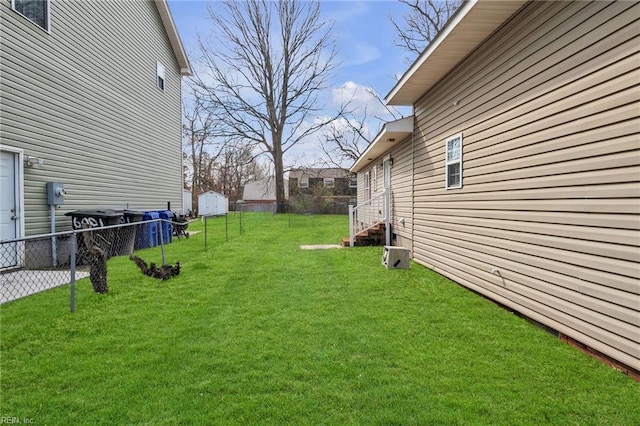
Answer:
(9, 214)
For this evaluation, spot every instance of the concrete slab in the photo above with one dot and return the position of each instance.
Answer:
(320, 246)
(22, 283)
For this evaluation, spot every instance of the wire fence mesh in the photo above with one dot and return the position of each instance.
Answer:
(34, 264)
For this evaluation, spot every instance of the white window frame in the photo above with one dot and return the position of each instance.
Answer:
(329, 182)
(303, 182)
(374, 183)
(353, 181)
(386, 172)
(452, 158)
(161, 81)
(47, 17)
(367, 185)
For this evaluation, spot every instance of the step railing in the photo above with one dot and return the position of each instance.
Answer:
(367, 215)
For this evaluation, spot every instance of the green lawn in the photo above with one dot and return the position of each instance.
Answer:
(257, 331)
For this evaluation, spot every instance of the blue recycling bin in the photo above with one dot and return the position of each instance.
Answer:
(148, 232)
(167, 227)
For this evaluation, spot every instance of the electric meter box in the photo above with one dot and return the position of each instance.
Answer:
(55, 193)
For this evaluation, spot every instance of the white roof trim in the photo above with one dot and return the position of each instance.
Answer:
(471, 24)
(392, 133)
(174, 37)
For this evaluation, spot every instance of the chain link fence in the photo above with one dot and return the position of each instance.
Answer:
(249, 217)
(34, 264)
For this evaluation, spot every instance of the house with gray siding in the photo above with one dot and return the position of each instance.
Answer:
(520, 178)
(90, 97)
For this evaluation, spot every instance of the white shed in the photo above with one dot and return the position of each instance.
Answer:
(212, 204)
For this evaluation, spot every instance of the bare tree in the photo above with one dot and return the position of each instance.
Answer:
(346, 138)
(236, 167)
(263, 70)
(200, 144)
(422, 23)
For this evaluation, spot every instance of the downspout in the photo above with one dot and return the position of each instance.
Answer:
(54, 245)
(387, 214)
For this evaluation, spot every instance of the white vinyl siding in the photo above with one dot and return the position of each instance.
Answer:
(95, 115)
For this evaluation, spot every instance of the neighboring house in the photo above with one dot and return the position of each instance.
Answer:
(328, 190)
(90, 97)
(260, 195)
(521, 178)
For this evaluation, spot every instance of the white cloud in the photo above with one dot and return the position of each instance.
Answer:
(361, 100)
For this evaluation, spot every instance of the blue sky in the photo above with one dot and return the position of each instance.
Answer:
(364, 38)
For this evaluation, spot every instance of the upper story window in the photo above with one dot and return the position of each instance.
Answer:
(37, 11)
(454, 161)
(303, 182)
(329, 182)
(353, 181)
(160, 76)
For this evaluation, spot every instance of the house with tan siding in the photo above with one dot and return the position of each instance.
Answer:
(90, 97)
(521, 177)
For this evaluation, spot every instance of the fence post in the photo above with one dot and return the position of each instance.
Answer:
(240, 220)
(206, 219)
(160, 223)
(226, 227)
(72, 261)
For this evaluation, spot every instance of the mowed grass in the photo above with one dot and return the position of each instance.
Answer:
(257, 331)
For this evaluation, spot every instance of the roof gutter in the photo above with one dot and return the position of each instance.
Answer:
(472, 23)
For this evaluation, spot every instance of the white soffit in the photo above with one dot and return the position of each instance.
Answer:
(470, 26)
(174, 37)
(392, 133)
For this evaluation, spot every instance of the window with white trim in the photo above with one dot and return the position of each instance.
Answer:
(453, 148)
(329, 182)
(160, 76)
(303, 182)
(353, 181)
(374, 183)
(367, 186)
(37, 11)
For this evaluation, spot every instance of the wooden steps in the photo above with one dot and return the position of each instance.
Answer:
(371, 237)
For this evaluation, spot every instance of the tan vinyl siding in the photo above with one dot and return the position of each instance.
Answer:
(84, 99)
(549, 110)
(402, 193)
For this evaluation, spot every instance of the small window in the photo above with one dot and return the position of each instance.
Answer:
(304, 182)
(353, 181)
(367, 186)
(329, 182)
(374, 179)
(160, 76)
(37, 11)
(454, 161)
